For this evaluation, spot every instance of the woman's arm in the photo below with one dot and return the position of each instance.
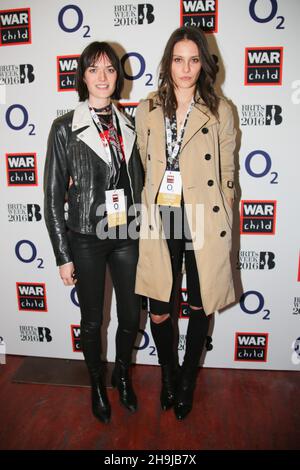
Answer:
(56, 181)
(227, 135)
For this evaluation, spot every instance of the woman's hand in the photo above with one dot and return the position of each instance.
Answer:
(67, 274)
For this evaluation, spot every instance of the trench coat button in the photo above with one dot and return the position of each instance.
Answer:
(151, 227)
(223, 233)
(210, 182)
(204, 130)
(207, 156)
(149, 158)
(216, 208)
(148, 131)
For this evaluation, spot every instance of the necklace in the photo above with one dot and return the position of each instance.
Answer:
(105, 109)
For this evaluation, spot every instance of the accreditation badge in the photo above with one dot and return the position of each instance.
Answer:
(115, 207)
(170, 189)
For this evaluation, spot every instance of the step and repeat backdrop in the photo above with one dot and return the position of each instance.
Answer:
(256, 45)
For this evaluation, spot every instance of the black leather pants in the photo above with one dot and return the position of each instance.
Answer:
(90, 256)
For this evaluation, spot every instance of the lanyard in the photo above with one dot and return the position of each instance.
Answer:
(102, 135)
(174, 151)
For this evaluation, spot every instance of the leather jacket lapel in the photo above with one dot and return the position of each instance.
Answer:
(128, 133)
(89, 134)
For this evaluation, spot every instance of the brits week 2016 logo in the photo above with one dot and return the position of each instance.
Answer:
(31, 296)
(35, 334)
(200, 14)
(15, 27)
(258, 217)
(251, 347)
(133, 14)
(263, 65)
(21, 169)
(296, 306)
(75, 335)
(61, 112)
(24, 212)
(16, 74)
(66, 72)
(260, 115)
(254, 260)
(128, 108)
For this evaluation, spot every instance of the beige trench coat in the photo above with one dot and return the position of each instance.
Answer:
(207, 170)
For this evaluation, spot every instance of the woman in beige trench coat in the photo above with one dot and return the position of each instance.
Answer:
(186, 139)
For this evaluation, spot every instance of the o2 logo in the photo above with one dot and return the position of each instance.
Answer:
(138, 59)
(17, 118)
(253, 302)
(70, 11)
(253, 162)
(74, 297)
(144, 343)
(256, 6)
(26, 252)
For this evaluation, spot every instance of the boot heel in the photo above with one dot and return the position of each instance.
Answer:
(100, 403)
(185, 394)
(113, 381)
(120, 379)
(168, 379)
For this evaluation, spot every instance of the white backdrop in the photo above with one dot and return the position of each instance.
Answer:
(256, 45)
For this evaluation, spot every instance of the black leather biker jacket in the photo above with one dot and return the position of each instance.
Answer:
(75, 180)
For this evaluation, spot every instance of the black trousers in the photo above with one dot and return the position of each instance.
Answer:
(91, 256)
(178, 238)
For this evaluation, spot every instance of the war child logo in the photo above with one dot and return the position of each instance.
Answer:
(21, 169)
(251, 347)
(75, 335)
(31, 296)
(128, 108)
(15, 27)
(66, 72)
(184, 306)
(263, 65)
(258, 217)
(201, 14)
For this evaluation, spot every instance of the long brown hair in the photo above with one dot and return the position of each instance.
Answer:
(207, 77)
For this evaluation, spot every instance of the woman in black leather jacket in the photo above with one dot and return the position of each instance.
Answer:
(93, 180)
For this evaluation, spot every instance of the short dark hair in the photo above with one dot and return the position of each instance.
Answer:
(88, 58)
(207, 77)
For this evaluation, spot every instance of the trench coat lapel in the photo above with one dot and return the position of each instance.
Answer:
(197, 119)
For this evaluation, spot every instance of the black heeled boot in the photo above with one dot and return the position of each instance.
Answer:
(91, 348)
(163, 337)
(168, 380)
(185, 393)
(195, 340)
(100, 404)
(122, 381)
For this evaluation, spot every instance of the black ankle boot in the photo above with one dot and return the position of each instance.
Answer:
(185, 392)
(121, 380)
(100, 404)
(168, 381)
